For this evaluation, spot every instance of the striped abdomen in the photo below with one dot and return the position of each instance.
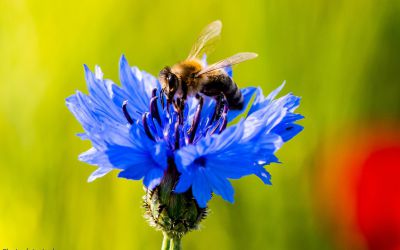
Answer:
(223, 83)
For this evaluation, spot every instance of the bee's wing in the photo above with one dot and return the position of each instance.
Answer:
(207, 36)
(235, 59)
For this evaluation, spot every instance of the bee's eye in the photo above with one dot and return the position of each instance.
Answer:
(172, 81)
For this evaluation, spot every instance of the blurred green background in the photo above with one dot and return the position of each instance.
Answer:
(342, 57)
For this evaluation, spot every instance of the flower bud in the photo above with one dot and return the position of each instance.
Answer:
(173, 213)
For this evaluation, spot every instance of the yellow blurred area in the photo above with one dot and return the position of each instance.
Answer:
(341, 57)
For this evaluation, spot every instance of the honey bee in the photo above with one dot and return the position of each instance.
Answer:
(190, 77)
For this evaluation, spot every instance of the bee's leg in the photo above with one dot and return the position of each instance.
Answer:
(181, 103)
(162, 98)
(178, 106)
(168, 105)
(177, 135)
(175, 105)
(218, 107)
(181, 106)
(184, 91)
(224, 117)
(222, 121)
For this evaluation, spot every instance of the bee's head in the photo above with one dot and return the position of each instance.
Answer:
(169, 82)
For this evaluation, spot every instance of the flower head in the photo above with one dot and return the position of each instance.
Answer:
(132, 128)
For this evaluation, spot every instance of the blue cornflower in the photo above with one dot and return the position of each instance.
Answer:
(133, 129)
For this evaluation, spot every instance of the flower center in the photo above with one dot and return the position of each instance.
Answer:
(167, 121)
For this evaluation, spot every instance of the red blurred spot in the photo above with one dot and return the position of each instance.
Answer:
(378, 198)
(359, 187)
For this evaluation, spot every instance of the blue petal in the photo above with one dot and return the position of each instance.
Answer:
(269, 143)
(149, 82)
(98, 73)
(220, 186)
(236, 169)
(287, 131)
(123, 157)
(219, 142)
(153, 178)
(100, 172)
(247, 95)
(229, 71)
(120, 96)
(291, 117)
(260, 101)
(94, 157)
(292, 102)
(271, 159)
(201, 189)
(228, 149)
(101, 95)
(185, 156)
(264, 176)
(263, 120)
(99, 122)
(142, 158)
(271, 115)
(83, 136)
(132, 83)
(184, 183)
(159, 154)
(78, 106)
(274, 93)
(134, 173)
(95, 86)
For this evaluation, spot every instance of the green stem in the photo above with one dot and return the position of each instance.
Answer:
(175, 244)
(166, 242)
